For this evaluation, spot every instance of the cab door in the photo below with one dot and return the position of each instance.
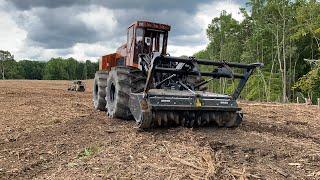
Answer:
(130, 46)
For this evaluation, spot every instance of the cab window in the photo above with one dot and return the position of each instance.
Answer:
(139, 41)
(161, 42)
(130, 38)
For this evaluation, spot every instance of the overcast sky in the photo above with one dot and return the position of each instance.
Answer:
(87, 29)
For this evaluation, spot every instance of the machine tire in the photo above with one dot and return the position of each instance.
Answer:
(99, 90)
(121, 82)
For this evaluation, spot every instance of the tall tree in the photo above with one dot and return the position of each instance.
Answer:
(84, 72)
(4, 56)
(56, 69)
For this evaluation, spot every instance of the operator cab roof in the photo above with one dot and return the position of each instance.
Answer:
(151, 25)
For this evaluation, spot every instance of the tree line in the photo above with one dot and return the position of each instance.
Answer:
(282, 34)
(54, 69)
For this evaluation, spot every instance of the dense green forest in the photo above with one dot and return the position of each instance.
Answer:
(54, 69)
(284, 35)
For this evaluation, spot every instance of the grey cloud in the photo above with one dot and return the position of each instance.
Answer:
(180, 21)
(57, 27)
(63, 52)
(28, 4)
(152, 5)
(60, 28)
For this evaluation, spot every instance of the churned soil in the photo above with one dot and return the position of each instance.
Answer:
(47, 132)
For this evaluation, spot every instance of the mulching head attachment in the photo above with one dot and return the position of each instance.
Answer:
(77, 85)
(173, 97)
(164, 107)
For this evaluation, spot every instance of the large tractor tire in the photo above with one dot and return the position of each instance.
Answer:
(99, 90)
(121, 82)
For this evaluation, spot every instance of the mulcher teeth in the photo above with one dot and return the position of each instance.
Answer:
(191, 118)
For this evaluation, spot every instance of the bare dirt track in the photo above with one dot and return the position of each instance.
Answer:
(47, 132)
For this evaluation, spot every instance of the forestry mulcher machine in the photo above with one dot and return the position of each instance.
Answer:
(77, 85)
(143, 82)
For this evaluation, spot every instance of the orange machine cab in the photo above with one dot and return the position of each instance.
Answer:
(142, 37)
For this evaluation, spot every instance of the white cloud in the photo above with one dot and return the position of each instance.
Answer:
(184, 50)
(83, 51)
(80, 51)
(204, 16)
(37, 53)
(207, 12)
(99, 18)
(11, 36)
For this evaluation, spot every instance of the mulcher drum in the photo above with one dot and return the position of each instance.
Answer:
(164, 107)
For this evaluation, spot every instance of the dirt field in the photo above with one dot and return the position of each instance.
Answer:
(47, 132)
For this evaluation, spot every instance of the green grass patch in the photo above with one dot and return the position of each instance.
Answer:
(87, 152)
